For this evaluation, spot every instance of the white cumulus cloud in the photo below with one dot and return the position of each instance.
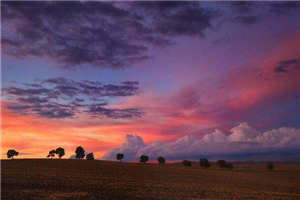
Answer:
(129, 148)
(242, 141)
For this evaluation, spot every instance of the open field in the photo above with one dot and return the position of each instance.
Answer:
(32, 179)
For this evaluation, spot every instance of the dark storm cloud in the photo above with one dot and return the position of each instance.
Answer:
(282, 7)
(130, 82)
(45, 109)
(64, 98)
(33, 99)
(72, 33)
(247, 19)
(93, 88)
(252, 12)
(242, 6)
(177, 18)
(277, 7)
(96, 110)
(102, 34)
(113, 35)
(31, 91)
(286, 65)
(185, 22)
(162, 6)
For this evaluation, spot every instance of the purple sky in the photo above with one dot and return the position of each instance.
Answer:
(163, 75)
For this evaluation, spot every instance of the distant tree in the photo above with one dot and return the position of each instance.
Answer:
(90, 156)
(11, 153)
(161, 160)
(204, 163)
(80, 153)
(120, 156)
(51, 153)
(270, 166)
(144, 158)
(229, 166)
(187, 163)
(60, 152)
(222, 163)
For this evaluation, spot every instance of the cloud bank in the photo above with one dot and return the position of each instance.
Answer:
(102, 34)
(66, 98)
(244, 142)
(115, 34)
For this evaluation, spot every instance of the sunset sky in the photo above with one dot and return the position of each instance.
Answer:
(177, 79)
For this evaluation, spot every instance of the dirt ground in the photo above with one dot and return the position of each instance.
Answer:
(31, 179)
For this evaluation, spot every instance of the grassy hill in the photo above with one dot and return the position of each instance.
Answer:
(81, 179)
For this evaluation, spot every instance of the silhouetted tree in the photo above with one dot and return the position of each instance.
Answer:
(204, 163)
(11, 153)
(51, 153)
(144, 158)
(224, 164)
(60, 152)
(90, 156)
(120, 156)
(270, 166)
(80, 153)
(187, 163)
(221, 163)
(161, 160)
(229, 166)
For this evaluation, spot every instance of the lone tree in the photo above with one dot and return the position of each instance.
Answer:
(60, 152)
(11, 153)
(204, 163)
(222, 163)
(80, 153)
(90, 156)
(51, 154)
(144, 159)
(120, 156)
(270, 166)
(187, 163)
(161, 160)
(229, 166)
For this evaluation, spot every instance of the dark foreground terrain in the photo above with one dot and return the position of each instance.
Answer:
(82, 179)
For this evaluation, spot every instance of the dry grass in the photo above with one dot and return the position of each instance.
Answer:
(82, 179)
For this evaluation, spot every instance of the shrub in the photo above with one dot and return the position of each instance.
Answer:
(270, 166)
(144, 158)
(187, 163)
(204, 163)
(11, 153)
(80, 153)
(120, 156)
(161, 160)
(90, 156)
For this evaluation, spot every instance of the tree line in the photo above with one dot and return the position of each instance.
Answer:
(80, 154)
